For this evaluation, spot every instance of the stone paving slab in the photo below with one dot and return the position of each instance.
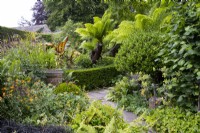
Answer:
(101, 95)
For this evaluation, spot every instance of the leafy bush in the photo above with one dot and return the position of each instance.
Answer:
(68, 87)
(37, 104)
(96, 117)
(172, 120)
(139, 53)
(44, 37)
(32, 58)
(104, 61)
(122, 88)
(83, 61)
(69, 30)
(126, 93)
(6, 33)
(180, 57)
(93, 77)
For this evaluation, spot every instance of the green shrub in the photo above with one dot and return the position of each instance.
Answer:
(96, 117)
(83, 61)
(126, 93)
(104, 61)
(93, 77)
(67, 87)
(45, 37)
(180, 56)
(173, 120)
(6, 33)
(37, 104)
(32, 58)
(139, 53)
(122, 88)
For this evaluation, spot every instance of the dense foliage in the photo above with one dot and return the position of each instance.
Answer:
(69, 30)
(172, 120)
(37, 104)
(92, 78)
(139, 52)
(78, 11)
(96, 117)
(32, 58)
(95, 33)
(126, 93)
(68, 87)
(7, 33)
(181, 57)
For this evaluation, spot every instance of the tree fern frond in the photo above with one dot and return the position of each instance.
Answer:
(96, 19)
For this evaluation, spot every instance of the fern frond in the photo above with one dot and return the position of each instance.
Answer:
(86, 129)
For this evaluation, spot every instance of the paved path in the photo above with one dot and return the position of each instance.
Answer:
(101, 95)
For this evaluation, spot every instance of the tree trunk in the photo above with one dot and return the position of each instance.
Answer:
(96, 53)
(114, 50)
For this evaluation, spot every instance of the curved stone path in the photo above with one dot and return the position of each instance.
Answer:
(101, 95)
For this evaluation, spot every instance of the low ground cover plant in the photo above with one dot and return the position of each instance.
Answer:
(38, 105)
(173, 119)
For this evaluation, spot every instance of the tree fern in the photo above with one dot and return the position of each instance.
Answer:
(94, 33)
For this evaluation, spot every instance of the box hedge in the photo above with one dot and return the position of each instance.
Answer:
(92, 78)
(6, 33)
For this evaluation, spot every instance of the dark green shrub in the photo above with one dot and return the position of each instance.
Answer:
(104, 61)
(67, 87)
(93, 77)
(139, 53)
(83, 61)
(6, 33)
(181, 56)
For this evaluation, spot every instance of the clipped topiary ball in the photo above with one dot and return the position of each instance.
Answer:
(68, 87)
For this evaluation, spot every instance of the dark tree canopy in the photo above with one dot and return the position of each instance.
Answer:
(59, 11)
(39, 14)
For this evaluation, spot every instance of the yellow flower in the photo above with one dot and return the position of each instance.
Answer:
(12, 87)
(23, 81)
(143, 92)
(4, 94)
(31, 99)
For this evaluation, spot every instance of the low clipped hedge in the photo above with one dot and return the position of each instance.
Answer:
(92, 78)
(6, 33)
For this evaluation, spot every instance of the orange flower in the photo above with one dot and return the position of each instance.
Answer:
(3, 89)
(12, 87)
